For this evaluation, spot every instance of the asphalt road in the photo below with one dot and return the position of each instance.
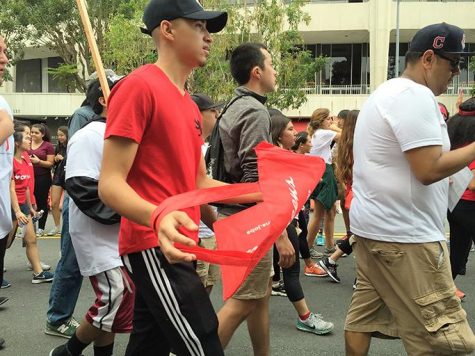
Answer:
(22, 318)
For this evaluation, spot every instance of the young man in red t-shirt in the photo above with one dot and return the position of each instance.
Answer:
(152, 151)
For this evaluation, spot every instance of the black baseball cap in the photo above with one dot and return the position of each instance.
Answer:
(441, 37)
(159, 10)
(204, 102)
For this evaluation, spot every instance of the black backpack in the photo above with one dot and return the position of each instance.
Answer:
(214, 157)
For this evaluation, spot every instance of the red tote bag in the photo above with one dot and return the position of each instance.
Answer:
(286, 180)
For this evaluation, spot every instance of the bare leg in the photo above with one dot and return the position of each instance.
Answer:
(346, 215)
(357, 344)
(329, 227)
(12, 233)
(56, 192)
(314, 223)
(86, 333)
(32, 248)
(336, 255)
(231, 315)
(301, 307)
(258, 325)
(309, 262)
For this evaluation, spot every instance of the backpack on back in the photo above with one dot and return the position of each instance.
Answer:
(214, 157)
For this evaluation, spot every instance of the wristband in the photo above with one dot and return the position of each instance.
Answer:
(154, 219)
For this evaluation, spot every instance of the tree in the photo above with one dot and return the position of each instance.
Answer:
(274, 23)
(56, 24)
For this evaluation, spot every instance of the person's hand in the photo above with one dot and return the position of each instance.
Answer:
(459, 99)
(22, 218)
(58, 158)
(34, 159)
(168, 234)
(33, 212)
(286, 251)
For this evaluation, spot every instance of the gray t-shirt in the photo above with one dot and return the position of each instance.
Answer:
(6, 167)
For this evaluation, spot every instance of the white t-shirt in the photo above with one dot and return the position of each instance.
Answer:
(204, 231)
(96, 245)
(321, 141)
(389, 203)
(6, 167)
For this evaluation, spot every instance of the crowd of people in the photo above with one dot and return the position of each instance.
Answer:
(389, 167)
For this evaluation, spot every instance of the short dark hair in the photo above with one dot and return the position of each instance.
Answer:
(413, 57)
(245, 57)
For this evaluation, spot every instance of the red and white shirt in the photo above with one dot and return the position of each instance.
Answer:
(148, 108)
(22, 176)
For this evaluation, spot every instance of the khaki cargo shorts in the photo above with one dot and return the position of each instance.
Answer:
(257, 283)
(208, 272)
(407, 291)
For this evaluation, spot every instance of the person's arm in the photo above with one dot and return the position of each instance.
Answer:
(48, 163)
(286, 250)
(337, 130)
(429, 164)
(22, 218)
(6, 126)
(115, 192)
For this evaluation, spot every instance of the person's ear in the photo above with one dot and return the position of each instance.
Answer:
(256, 72)
(167, 30)
(428, 58)
(102, 101)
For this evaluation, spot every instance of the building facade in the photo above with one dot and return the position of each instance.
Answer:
(357, 37)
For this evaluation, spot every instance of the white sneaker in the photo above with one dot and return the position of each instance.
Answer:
(53, 232)
(315, 324)
(40, 232)
(44, 266)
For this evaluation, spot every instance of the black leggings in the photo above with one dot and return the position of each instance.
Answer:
(303, 244)
(462, 233)
(292, 274)
(3, 248)
(42, 186)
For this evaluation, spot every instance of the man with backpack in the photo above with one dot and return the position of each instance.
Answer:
(245, 122)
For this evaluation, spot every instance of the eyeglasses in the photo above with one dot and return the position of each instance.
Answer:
(454, 62)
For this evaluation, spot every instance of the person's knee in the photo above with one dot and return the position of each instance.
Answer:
(356, 343)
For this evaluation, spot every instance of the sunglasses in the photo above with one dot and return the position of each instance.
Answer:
(454, 62)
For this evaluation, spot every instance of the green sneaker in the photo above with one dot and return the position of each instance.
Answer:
(65, 330)
(315, 324)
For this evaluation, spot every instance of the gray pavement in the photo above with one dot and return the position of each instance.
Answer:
(22, 318)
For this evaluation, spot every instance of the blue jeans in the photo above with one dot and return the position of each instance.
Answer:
(67, 277)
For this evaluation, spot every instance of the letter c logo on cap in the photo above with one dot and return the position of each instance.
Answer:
(438, 42)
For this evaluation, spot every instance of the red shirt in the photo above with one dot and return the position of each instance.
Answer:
(22, 176)
(149, 109)
(26, 157)
(44, 150)
(469, 194)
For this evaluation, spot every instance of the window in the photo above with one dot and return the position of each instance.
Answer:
(28, 76)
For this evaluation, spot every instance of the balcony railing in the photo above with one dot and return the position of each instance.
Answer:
(337, 89)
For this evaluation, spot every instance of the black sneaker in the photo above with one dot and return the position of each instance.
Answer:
(61, 351)
(42, 277)
(278, 289)
(330, 269)
(2, 343)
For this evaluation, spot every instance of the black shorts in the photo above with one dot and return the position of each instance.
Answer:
(172, 308)
(24, 208)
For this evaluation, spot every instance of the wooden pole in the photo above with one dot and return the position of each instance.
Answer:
(96, 56)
